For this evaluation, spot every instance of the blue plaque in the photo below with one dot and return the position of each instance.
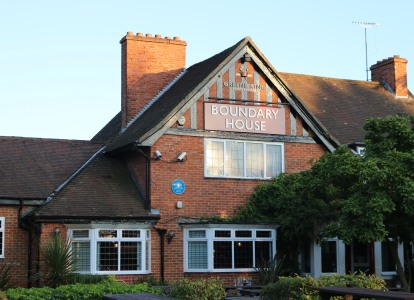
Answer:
(178, 186)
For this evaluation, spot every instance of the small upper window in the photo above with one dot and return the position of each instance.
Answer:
(240, 159)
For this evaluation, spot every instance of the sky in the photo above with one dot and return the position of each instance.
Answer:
(60, 61)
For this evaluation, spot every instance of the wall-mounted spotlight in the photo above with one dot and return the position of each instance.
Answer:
(158, 155)
(170, 236)
(56, 231)
(182, 157)
(246, 57)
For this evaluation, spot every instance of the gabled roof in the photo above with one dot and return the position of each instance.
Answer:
(103, 190)
(32, 168)
(164, 108)
(343, 106)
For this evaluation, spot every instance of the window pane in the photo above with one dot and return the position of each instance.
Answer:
(305, 257)
(263, 252)
(254, 160)
(388, 264)
(130, 256)
(81, 253)
(76, 234)
(328, 256)
(197, 255)
(131, 233)
(107, 233)
(273, 160)
(243, 254)
(222, 255)
(197, 234)
(243, 233)
(222, 233)
(107, 256)
(234, 159)
(264, 234)
(215, 158)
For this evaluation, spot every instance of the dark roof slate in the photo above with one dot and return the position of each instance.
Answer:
(343, 106)
(103, 190)
(170, 101)
(32, 168)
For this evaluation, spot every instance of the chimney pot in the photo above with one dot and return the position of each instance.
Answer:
(148, 35)
(140, 34)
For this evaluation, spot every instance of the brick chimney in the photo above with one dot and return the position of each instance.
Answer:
(393, 71)
(149, 63)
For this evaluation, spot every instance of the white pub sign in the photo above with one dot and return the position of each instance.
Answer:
(244, 118)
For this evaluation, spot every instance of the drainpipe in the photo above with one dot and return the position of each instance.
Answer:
(27, 228)
(147, 176)
(161, 233)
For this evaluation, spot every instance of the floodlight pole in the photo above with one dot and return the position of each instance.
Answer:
(366, 25)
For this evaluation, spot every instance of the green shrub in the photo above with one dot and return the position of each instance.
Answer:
(86, 278)
(359, 279)
(270, 270)
(30, 294)
(58, 260)
(287, 288)
(301, 287)
(201, 289)
(78, 291)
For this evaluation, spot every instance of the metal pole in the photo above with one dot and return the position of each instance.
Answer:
(366, 52)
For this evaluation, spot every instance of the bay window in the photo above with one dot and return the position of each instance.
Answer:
(227, 249)
(241, 159)
(111, 251)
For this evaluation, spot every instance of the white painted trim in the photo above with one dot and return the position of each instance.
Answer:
(210, 238)
(224, 141)
(145, 237)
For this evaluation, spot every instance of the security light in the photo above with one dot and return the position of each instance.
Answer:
(181, 157)
(158, 155)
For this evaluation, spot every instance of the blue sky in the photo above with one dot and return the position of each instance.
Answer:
(60, 60)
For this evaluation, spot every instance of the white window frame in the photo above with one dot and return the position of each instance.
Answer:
(210, 238)
(336, 240)
(145, 239)
(224, 141)
(3, 234)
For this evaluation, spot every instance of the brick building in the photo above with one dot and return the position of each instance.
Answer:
(189, 145)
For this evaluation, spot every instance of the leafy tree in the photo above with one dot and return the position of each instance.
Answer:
(355, 198)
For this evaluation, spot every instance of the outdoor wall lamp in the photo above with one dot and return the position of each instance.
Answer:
(158, 155)
(170, 236)
(56, 231)
(246, 57)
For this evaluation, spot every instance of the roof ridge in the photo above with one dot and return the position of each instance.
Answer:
(151, 102)
(327, 77)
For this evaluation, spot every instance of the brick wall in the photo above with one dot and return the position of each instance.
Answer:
(15, 246)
